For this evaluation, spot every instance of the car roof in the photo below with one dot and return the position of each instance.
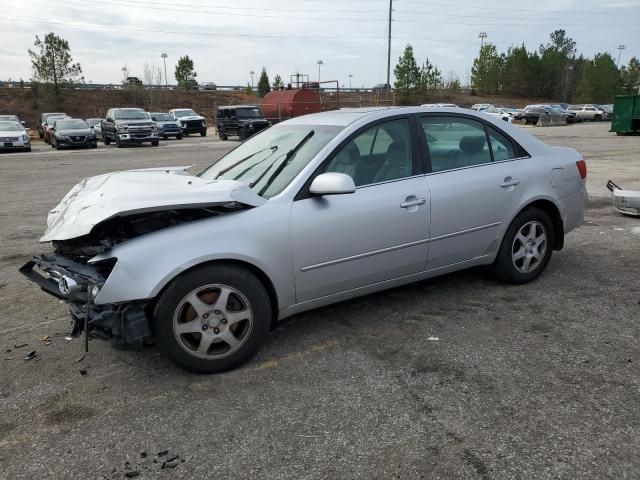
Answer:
(128, 108)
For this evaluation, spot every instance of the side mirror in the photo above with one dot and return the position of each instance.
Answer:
(109, 120)
(23, 123)
(332, 183)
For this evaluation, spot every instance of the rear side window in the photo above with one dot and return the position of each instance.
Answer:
(501, 147)
(455, 142)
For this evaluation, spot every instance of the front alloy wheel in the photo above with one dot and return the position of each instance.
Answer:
(213, 318)
(213, 321)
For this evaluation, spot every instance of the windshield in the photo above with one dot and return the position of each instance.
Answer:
(70, 124)
(93, 121)
(130, 115)
(49, 115)
(248, 113)
(185, 113)
(10, 127)
(13, 118)
(268, 161)
(161, 117)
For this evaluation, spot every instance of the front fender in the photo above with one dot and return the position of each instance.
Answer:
(258, 236)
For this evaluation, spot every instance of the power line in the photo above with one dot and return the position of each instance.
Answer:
(520, 10)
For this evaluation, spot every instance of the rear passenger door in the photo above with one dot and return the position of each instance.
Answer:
(476, 178)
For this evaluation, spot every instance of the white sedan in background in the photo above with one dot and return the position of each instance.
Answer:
(505, 114)
(13, 137)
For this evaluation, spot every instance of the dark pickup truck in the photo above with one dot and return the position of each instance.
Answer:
(129, 126)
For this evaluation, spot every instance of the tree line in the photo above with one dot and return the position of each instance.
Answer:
(554, 71)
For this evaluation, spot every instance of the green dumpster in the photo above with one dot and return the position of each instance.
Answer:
(626, 115)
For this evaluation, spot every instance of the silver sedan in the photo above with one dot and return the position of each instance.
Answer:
(309, 212)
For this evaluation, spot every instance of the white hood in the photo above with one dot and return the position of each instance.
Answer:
(97, 199)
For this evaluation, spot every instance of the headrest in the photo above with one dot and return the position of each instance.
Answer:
(472, 144)
(396, 154)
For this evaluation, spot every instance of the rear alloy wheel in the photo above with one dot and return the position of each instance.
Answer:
(213, 318)
(526, 247)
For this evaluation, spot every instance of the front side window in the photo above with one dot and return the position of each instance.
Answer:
(455, 142)
(379, 154)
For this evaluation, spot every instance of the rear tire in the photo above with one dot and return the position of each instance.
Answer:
(597, 118)
(236, 327)
(179, 137)
(526, 247)
(155, 144)
(203, 133)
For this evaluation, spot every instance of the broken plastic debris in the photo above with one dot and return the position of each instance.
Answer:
(20, 345)
(83, 371)
(68, 339)
(433, 339)
(30, 355)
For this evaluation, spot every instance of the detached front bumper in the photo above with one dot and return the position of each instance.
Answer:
(78, 284)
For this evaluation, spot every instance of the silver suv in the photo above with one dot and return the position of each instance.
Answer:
(308, 212)
(589, 112)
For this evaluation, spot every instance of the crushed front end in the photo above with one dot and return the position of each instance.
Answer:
(78, 282)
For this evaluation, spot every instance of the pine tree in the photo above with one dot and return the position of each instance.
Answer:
(263, 83)
(407, 73)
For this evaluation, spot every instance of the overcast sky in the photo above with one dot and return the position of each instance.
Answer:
(228, 39)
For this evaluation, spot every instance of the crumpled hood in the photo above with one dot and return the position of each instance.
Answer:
(100, 198)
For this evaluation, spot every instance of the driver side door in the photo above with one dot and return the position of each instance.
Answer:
(378, 233)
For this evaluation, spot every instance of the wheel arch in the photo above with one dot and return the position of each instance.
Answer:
(550, 208)
(254, 269)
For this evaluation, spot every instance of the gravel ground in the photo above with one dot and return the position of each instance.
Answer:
(532, 382)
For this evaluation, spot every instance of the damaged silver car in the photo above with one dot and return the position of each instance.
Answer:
(309, 212)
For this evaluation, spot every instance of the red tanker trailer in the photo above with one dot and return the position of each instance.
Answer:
(284, 104)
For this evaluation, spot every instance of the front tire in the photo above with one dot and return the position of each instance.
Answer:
(155, 144)
(203, 133)
(179, 136)
(526, 247)
(106, 139)
(213, 318)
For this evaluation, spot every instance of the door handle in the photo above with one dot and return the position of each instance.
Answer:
(413, 203)
(510, 182)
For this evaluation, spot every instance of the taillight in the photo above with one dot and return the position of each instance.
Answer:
(582, 168)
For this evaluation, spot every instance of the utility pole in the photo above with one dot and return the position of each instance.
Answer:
(482, 36)
(620, 49)
(389, 48)
(164, 59)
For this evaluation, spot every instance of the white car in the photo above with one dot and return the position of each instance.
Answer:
(479, 107)
(440, 105)
(13, 136)
(505, 114)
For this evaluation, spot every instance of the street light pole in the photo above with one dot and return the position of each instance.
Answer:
(350, 77)
(388, 86)
(320, 63)
(620, 49)
(252, 73)
(164, 59)
(482, 36)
